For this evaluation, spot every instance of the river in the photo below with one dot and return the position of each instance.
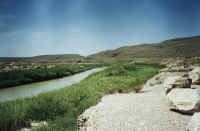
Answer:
(34, 89)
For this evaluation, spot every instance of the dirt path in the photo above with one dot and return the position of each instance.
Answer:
(145, 111)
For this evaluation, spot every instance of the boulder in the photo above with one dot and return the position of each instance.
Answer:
(195, 75)
(159, 78)
(194, 123)
(176, 82)
(184, 100)
(195, 86)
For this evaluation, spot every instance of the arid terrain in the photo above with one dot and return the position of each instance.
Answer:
(113, 99)
(186, 49)
(180, 48)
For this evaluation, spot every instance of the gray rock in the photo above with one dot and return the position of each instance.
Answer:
(176, 82)
(184, 100)
(195, 86)
(38, 124)
(194, 124)
(35, 125)
(195, 75)
(160, 78)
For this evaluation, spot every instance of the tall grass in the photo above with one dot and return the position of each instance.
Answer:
(62, 107)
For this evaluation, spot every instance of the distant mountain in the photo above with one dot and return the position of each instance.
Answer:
(180, 47)
(45, 59)
(63, 58)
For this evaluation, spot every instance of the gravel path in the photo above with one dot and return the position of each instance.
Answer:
(145, 111)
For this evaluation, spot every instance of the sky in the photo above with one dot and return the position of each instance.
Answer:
(41, 27)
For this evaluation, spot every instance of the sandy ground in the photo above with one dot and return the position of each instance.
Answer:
(145, 111)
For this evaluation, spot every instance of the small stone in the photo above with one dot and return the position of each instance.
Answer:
(34, 124)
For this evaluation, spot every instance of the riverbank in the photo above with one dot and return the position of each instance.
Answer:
(21, 77)
(33, 89)
(61, 108)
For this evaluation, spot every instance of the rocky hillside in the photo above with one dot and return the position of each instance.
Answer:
(180, 47)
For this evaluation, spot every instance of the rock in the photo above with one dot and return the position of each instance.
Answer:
(176, 82)
(35, 125)
(195, 75)
(163, 70)
(195, 86)
(156, 80)
(38, 124)
(194, 124)
(184, 100)
(160, 78)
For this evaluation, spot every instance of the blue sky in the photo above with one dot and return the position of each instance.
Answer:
(39, 27)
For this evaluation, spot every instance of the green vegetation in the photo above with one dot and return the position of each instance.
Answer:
(13, 78)
(62, 107)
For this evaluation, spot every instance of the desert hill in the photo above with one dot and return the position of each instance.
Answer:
(61, 58)
(180, 47)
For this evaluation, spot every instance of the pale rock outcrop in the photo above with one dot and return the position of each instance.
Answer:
(160, 78)
(184, 100)
(176, 82)
(194, 124)
(195, 75)
(144, 111)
